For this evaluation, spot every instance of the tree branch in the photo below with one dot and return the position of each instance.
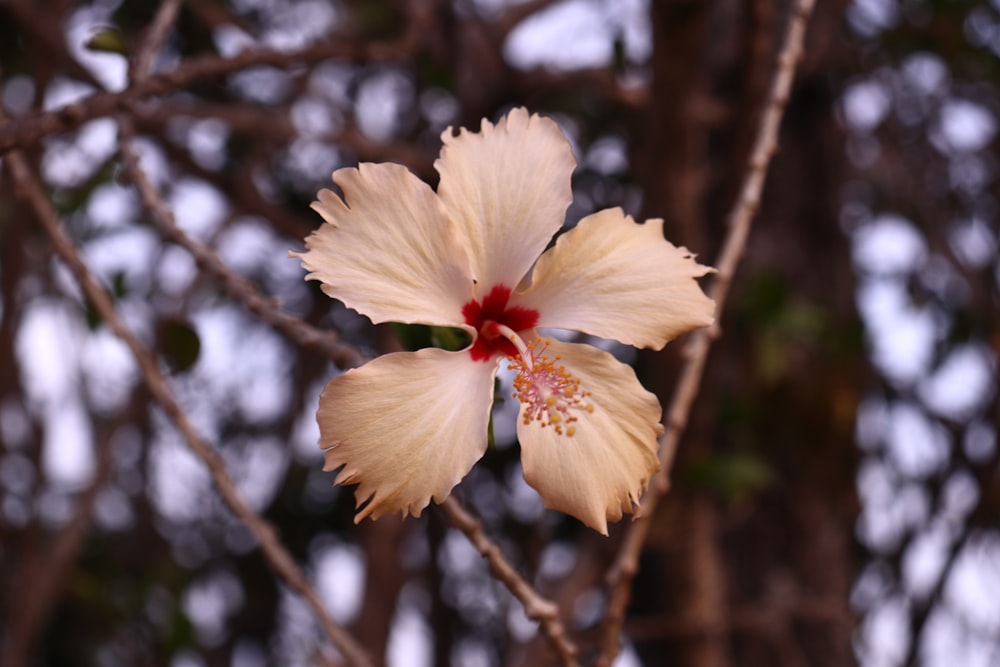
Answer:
(155, 36)
(29, 188)
(739, 222)
(26, 130)
(536, 607)
(299, 332)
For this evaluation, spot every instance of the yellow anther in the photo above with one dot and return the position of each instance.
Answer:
(549, 393)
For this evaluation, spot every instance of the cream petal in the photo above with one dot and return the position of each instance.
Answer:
(406, 427)
(389, 252)
(614, 278)
(507, 188)
(596, 461)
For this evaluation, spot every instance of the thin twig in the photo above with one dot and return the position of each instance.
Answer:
(278, 557)
(299, 332)
(739, 221)
(154, 38)
(236, 286)
(275, 125)
(61, 554)
(26, 130)
(536, 607)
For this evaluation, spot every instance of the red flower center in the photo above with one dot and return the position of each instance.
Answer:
(487, 316)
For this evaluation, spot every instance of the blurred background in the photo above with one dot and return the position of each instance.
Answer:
(836, 497)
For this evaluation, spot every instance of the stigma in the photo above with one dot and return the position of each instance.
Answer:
(550, 394)
(492, 318)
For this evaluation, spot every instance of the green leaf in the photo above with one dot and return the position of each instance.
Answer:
(419, 336)
(412, 336)
(119, 285)
(178, 343)
(449, 338)
(107, 40)
(94, 318)
(733, 476)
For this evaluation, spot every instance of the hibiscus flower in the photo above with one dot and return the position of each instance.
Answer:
(408, 426)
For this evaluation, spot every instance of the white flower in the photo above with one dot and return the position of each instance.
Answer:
(408, 426)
